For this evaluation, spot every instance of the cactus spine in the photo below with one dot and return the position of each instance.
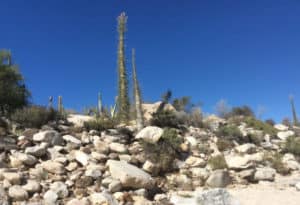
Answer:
(100, 109)
(295, 119)
(60, 105)
(137, 95)
(123, 99)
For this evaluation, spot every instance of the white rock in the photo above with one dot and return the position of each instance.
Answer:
(238, 162)
(281, 127)
(218, 179)
(60, 189)
(129, 175)
(297, 186)
(82, 157)
(32, 186)
(117, 147)
(93, 171)
(50, 198)
(115, 186)
(78, 120)
(53, 167)
(290, 161)
(49, 136)
(150, 167)
(25, 158)
(37, 150)
(283, 135)
(150, 134)
(247, 148)
(12, 177)
(70, 138)
(267, 174)
(192, 140)
(195, 162)
(17, 193)
(102, 198)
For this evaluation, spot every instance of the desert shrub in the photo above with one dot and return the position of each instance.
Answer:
(240, 111)
(13, 92)
(275, 160)
(205, 148)
(292, 145)
(259, 125)
(224, 144)
(217, 162)
(99, 124)
(270, 122)
(164, 152)
(254, 138)
(35, 116)
(229, 131)
(165, 118)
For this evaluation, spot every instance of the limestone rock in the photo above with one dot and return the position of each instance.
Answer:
(117, 147)
(53, 167)
(129, 175)
(150, 134)
(218, 179)
(70, 138)
(267, 174)
(82, 158)
(17, 193)
(283, 135)
(32, 186)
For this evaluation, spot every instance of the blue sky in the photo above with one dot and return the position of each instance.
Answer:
(247, 52)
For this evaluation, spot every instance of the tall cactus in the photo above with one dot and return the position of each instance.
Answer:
(60, 105)
(295, 119)
(123, 99)
(100, 108)
(137, 95)
(50, 103)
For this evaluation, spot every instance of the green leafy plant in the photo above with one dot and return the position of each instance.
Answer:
(260, 125)
(217, 162)
(231, 131)
(165, 118)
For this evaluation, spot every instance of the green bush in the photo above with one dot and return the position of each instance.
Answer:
(254, 138)
(240, 111)
(35, 116)
(165, 118)
(259, 125)
(217, 162)
(13, 92)
(165, 151)
(275, 161)
(292, 145)
(230, 131)
(224, 144)
(99, 124)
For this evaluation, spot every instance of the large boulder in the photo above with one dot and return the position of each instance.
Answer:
(247, 148)
(237, 162)
(281, 127)
(283, 135)
(150, 108)
(50, 136)
(78, 120)
(150, 134)
(218, 179)
(264, 174)
(17, 193)
(130, 176)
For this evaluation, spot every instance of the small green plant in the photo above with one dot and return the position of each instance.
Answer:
(275, 160)
(99, 124)
(35, 116)
(217, 162)
(224, 144)
(245, 111)
(260, 125)
(164, 151)
(254, 138)
(165, 118)
(231, 131)
(292, 145)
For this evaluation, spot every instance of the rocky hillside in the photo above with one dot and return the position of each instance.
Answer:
(62, 163)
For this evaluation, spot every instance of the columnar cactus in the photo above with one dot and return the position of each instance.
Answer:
(60, 105)
(123, 99)
(295, 119)
(137, 95)
(50, 103)
(100, 109)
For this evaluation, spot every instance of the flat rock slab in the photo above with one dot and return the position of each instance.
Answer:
(130, 176)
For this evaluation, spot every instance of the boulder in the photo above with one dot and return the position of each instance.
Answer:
(3, 197)
(264, 174)
(37, 150)
(53, 167)
(290, 162)
(78, 120)
(130, 176)
(283, 135)
(102, 198)
(71, 139)
(237, 162)
(150, 134)
(60, 189)
(117, 147)
(281, 127)
(218, 179)
(32, 186)
(50, 136)
(50, 198)
(101, 146)
(17, 193)
(12, 177)
(26, 159)
(247, 148)
(82, 158)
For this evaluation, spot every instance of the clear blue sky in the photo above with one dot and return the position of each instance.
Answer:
(247, 52)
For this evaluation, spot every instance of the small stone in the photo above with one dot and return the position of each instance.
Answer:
(70, 138)
(17, 193)
(53, 167)
(82, 158)
(117, 147)
(12, 177)
(150, 134)
(60, 189)
(267, 174)
(32, 186)
(218, 179)
(38, 150)
(50, 198)
(115, 186)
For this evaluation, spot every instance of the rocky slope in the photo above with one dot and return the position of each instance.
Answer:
(62, 164)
